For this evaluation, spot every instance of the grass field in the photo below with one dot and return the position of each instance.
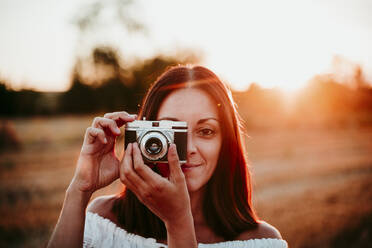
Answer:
(314, 185)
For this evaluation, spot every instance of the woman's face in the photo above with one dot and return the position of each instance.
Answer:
(204, 132)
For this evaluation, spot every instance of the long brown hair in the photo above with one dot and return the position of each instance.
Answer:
(227, 203)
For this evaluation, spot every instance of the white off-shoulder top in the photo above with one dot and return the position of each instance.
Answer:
(101, 232)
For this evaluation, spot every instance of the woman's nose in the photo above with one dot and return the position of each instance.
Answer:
(191, 148)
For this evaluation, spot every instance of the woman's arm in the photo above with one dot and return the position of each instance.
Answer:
(180, 230)
(69, 230)
(97, 167)
(181, 233)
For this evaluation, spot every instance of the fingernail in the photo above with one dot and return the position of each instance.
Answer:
(173, 148)
(117, 130)
(105, 140)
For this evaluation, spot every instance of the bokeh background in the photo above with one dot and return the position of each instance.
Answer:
(300, 72)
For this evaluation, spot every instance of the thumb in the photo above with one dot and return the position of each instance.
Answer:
(175, 170)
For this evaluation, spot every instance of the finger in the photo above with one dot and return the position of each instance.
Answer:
(120, 117)
(175, 170)
(92, 134)
(133, 188)
(144, 171)
(123, 177)
(127, 159)
(106, 124)
(127, 172)
(127, 183)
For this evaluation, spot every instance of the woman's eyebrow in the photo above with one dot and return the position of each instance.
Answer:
(199, 121)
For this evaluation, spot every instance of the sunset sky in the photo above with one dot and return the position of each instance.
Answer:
(274, 43)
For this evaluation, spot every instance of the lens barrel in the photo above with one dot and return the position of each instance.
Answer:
(154, 145)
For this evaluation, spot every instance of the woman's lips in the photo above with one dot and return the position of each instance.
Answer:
(189, 166)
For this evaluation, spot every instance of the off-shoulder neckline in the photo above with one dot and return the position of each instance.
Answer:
(136, 236)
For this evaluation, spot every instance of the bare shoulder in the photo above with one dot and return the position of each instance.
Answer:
(102, 206)
(263, 231)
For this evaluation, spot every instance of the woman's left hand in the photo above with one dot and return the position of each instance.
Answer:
(168, 199)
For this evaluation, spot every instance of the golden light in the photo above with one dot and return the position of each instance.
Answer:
(273, 43)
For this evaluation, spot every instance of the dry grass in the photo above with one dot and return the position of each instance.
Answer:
(313, 185)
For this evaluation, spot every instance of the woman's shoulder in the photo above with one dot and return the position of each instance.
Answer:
(265, 235)
(263, 231)
(102, 206)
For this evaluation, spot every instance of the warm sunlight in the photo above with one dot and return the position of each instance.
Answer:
(273, 43)
(277, 146)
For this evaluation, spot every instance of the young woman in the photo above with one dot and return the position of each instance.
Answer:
(206, 201)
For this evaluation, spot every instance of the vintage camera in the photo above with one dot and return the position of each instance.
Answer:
(155, 137)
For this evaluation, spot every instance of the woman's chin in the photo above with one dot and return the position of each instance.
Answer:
(193, 185)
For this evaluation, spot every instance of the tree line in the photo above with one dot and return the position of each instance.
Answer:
(99, 83)
(103, 83)
(326, 100)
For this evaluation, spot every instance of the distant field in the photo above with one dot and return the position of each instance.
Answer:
(314, 185)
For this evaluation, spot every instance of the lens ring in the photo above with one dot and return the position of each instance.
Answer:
(162, 144)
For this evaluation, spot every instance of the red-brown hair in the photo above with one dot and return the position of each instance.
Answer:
(227, 203)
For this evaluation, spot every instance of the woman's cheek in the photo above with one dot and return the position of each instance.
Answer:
(210, 148)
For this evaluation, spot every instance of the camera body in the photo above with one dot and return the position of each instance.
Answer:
(155, 137)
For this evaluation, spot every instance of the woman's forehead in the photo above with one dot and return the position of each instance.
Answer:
(186, 103)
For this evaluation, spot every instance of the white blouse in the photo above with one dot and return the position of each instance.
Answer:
(101, 232)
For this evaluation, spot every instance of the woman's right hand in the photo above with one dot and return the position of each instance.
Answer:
(98, 165)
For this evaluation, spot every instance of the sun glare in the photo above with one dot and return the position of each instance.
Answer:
(279, 44)
(274, 47)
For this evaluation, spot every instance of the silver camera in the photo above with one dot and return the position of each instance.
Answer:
(155, 137)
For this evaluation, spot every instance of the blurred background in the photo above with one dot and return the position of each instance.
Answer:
(300, 72)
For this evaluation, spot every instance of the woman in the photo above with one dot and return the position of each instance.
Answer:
(206, 201)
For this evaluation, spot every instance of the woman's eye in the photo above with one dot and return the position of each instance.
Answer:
(206, 132)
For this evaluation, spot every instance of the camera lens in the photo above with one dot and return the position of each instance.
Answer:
(153, 146)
